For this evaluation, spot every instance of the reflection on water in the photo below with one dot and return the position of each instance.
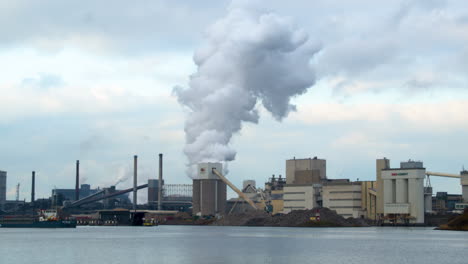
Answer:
(202, 244)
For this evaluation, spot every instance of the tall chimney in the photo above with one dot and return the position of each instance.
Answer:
(135, 163)
(33, 188)
(160, 183)
(77, 185)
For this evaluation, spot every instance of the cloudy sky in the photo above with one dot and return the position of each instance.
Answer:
(94, 80)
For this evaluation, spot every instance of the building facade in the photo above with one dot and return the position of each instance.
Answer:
(344, 197)
(299, 197)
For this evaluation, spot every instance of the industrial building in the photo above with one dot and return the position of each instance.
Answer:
(403, 193)
(381, 164)
(153, 191)
(69, 194)
(239, 205)
(443, 202)
(176, 197)
(62, 196)
(300, 197)
(209, 191)
(304, 178)
(344, 197)
(274, 189)
(305, 171)
(3, 181)
(464, 184)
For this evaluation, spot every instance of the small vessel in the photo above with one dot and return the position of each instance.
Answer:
(45, 219)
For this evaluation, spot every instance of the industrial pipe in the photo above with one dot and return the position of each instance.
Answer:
(234, 188)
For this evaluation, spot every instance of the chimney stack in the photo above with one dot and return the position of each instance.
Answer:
(160, 182)
(135, 163)
(77, 185)
(33, 188)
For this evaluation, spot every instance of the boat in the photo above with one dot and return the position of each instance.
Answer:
(45, 219)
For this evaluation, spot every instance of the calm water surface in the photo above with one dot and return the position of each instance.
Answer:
(202, 244)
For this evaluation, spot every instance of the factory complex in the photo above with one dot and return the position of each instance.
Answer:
(397, 196)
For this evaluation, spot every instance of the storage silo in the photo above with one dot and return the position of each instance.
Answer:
(209, 192)
(153, 189)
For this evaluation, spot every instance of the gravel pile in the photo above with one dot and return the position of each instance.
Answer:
(298, 218)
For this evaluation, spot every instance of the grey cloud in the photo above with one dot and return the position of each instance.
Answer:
(128, 27)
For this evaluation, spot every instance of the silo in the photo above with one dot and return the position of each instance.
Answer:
(153, 189)
(209, 192)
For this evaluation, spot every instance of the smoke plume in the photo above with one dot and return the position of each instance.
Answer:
(249, 57)
(123, 174)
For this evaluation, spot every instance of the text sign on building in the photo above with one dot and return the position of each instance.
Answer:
(400, 174)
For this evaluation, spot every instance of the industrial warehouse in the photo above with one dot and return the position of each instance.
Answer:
(397, 196)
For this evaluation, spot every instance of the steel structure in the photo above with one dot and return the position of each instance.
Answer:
(178, 190)
(234, 188)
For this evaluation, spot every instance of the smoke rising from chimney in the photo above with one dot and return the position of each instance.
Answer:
(248, 57)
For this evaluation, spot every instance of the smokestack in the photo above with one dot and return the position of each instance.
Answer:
(77, 185)
(33, 188)
(135, 163)
(160, 183)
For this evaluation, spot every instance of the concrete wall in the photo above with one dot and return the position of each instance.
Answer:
(345, 199)
(404, 194)
(298, 197)
(297, 165)
(3, 180)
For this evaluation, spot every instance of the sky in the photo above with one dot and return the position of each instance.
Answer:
(94, 81)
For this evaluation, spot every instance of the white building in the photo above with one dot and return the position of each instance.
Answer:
(299, 197)
(344, 197)
(403, 195)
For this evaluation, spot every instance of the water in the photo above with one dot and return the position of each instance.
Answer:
(203, 244)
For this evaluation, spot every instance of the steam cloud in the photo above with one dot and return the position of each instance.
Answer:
(249, 56)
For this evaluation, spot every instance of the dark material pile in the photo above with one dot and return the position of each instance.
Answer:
(299, 218)
(459, 223)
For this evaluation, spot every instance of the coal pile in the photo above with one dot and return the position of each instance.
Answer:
(298, 218)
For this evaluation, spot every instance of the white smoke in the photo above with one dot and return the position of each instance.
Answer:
(123, 174)
(249, 56)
